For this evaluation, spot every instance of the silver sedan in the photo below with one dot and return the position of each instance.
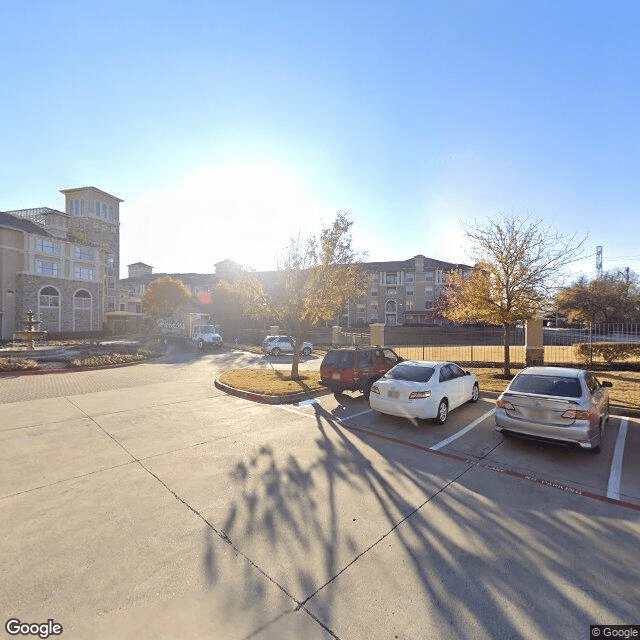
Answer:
(555, 404)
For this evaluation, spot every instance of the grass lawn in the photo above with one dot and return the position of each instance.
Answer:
(274, 382)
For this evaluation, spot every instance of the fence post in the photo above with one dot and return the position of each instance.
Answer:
(534, 342)
(376, 335)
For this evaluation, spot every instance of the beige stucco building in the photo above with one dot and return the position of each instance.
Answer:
(62, 264)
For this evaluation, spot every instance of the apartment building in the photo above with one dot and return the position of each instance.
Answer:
(61, 264)
(402, 292)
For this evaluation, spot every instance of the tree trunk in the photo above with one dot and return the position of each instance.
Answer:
(507, 354)
(296, 352)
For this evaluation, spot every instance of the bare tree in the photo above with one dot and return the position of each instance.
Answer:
(316, 277)
(518, 261)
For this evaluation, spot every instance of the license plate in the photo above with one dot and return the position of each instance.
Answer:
(335, 376)
(393, 394)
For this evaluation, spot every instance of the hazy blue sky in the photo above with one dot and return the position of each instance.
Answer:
(226, 127)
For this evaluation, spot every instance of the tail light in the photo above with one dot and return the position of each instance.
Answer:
(501, 403)
(419, 394)
(577, 414)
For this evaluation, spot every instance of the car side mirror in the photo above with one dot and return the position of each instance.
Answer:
(606, 383)
(400, 359)
(467, 373)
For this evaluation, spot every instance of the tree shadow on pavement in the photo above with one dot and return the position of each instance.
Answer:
(363, 526)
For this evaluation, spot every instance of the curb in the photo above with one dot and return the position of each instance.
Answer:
(265, 399)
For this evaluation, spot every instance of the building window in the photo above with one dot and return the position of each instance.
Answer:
(82, 299)
(49, 297)
(111, 282)
(84, 253)
(110, 212)
(409, 291)
(429, 275)
(391, 278)
(409, 276)
(391, 291)
(428, 292)
(47, 246)
(373, 305)
(82, 273)
(408, 304)
(47, 268)
(374, 291)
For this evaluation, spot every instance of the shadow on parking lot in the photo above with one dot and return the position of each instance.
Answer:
(364, 525)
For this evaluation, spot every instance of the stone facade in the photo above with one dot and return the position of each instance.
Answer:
(63, 265)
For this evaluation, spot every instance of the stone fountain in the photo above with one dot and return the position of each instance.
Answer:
(31, 333)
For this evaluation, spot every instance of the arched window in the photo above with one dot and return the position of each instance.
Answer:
(49, 297)
(82, 299)
(391, 312)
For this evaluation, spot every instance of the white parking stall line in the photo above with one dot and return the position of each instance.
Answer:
(613, 488)
(455, 436)
(356, 415)
(337, 419)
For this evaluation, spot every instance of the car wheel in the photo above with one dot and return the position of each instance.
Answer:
(475, 393)
(306, 351)
(443, 411)
(276, 351)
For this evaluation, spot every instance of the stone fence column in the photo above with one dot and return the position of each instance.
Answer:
(376, 335)
(534, 342)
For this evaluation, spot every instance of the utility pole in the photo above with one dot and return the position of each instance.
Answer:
(599, 261)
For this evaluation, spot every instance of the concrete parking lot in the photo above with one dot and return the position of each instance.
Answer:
(143, 502)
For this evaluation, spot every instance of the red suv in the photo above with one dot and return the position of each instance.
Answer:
(356, 368)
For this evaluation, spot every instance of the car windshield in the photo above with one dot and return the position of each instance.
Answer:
(339, 359)
(409, 372)
(547, 385)
(206, 329)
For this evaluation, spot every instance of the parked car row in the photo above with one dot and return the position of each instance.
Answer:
(553, 404)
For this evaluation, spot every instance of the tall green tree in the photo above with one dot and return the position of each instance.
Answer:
(317, 275)
(518, 260)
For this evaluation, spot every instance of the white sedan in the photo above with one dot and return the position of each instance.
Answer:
(423, 389)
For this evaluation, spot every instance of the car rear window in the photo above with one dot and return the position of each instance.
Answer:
(339, 359)
(410, 373)
(547, 385)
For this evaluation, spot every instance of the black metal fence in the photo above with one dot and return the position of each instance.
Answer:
(594, 344)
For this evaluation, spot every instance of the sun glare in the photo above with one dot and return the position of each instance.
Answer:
(244, 212)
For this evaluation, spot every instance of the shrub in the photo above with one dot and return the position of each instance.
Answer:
(106, 360)
(17, 364)
(608, 351)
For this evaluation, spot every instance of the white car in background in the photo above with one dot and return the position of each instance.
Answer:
(423, 389)
(276, 345)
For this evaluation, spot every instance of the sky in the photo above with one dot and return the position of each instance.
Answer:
(229, 127)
